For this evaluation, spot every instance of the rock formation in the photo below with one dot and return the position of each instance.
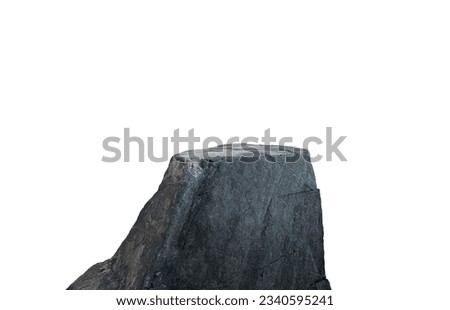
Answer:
(230, 217)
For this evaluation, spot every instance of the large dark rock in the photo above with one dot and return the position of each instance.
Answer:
(224, 221)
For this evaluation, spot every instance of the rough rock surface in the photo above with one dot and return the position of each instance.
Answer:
(236, 217)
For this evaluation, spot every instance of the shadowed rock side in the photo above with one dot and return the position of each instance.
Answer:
(217, 222)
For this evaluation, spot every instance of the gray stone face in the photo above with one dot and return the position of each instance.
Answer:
(230, 217)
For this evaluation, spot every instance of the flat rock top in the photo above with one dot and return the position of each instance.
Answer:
(247, 152)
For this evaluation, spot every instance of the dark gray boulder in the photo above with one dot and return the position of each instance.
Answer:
(231, 217)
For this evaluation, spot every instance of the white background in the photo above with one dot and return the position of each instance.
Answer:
(75, 72)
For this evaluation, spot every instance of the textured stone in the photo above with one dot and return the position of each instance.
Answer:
(236, 217)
